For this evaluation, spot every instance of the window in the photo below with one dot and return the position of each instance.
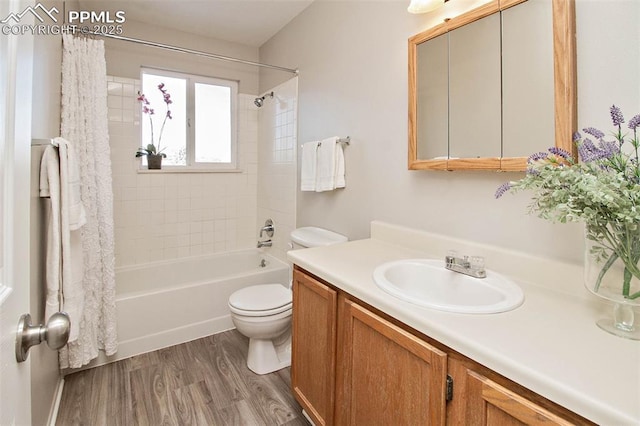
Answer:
(201, 130)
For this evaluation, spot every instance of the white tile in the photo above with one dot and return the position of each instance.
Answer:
(114, 88)
(184, 216)
(183, 228)
(170, 216)
(208, 226)
(170, 241)
(170, 253)
(168, 229)
(115, 114)
(128, 89)
(195, 239)
(124, 80)
(197, 215)
(183, 240)
(208, 237)
(114, 102)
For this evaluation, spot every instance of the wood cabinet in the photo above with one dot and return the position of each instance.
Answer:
(313, 350)
(355, 365)
(478, 400)
(385, 375)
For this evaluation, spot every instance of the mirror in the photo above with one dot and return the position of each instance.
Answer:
(492, 86)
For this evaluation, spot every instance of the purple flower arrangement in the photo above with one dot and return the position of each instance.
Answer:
(607, 156)
(602, 190)
(152, 149)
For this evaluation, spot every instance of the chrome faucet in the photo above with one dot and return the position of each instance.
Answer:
(265, 243)
(468, 265)
(268, 229)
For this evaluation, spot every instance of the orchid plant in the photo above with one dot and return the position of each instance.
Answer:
(602, 190)
(152, 148)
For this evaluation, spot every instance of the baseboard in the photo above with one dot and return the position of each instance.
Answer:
(164, 339)
(306, 416)
(53, 416)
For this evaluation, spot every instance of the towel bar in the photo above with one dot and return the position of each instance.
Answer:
(344, 141)
(40, 142)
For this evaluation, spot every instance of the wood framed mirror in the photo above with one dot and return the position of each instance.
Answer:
(480, 98)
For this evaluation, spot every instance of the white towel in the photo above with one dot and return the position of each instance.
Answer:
(330, 167)
(340, 181)
(64, 264)
(70, 179)
(308, 166)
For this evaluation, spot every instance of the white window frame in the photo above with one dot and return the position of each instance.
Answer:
(191, 80)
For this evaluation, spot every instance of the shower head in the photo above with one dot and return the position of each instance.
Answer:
(260, 101)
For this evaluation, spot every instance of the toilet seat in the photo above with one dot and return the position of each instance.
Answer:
(261, 300)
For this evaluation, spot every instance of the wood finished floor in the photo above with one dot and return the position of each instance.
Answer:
(203, 382)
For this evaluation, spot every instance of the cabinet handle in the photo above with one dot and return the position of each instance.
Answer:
(449, 389)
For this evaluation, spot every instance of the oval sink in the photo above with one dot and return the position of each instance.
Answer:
(427, 283)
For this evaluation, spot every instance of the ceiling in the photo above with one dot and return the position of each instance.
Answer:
(248, 22)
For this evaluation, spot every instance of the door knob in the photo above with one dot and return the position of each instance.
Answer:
(55, 333)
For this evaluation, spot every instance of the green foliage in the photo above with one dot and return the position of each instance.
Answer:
(149, 150)
(581, 192)
(602, 190)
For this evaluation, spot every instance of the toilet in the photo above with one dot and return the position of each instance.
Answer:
(263, 312)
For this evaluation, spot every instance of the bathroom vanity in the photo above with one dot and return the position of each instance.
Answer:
(361, 356)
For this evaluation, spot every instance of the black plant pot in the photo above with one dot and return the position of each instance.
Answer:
(154, 162)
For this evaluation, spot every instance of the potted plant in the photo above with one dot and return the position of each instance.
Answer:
(603, 191)
(152, 151)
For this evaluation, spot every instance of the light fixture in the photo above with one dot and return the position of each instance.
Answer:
(424, 6)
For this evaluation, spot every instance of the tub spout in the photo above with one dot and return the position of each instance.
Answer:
(265, 243)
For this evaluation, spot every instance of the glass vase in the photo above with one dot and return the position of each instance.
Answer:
(612, 272)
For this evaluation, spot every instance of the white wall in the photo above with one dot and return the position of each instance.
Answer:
(352, 58)
(608, 60)
(277, 155)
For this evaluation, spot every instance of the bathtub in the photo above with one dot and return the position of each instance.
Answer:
(166, 303)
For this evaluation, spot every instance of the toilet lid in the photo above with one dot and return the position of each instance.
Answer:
(264, 297)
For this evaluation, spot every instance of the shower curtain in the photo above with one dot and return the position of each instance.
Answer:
(84, 122)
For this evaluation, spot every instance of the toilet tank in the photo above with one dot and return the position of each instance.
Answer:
(311, 236)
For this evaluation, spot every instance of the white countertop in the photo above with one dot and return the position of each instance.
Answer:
(550, 344)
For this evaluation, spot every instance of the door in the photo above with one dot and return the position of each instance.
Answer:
(488, 403)
(480, 401)
(16, 57)
(385, 375)
(314, 347)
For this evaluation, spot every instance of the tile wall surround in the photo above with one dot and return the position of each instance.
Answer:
(277, 154)
(164, 216)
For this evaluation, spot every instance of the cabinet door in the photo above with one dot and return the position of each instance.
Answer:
(385, 375)
(314, 347)
(488, 403)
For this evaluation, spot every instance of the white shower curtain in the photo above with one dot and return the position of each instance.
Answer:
(85, 124)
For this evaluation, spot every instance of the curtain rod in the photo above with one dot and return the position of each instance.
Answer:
(193, 52)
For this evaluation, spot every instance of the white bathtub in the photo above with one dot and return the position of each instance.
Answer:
(166, 303)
